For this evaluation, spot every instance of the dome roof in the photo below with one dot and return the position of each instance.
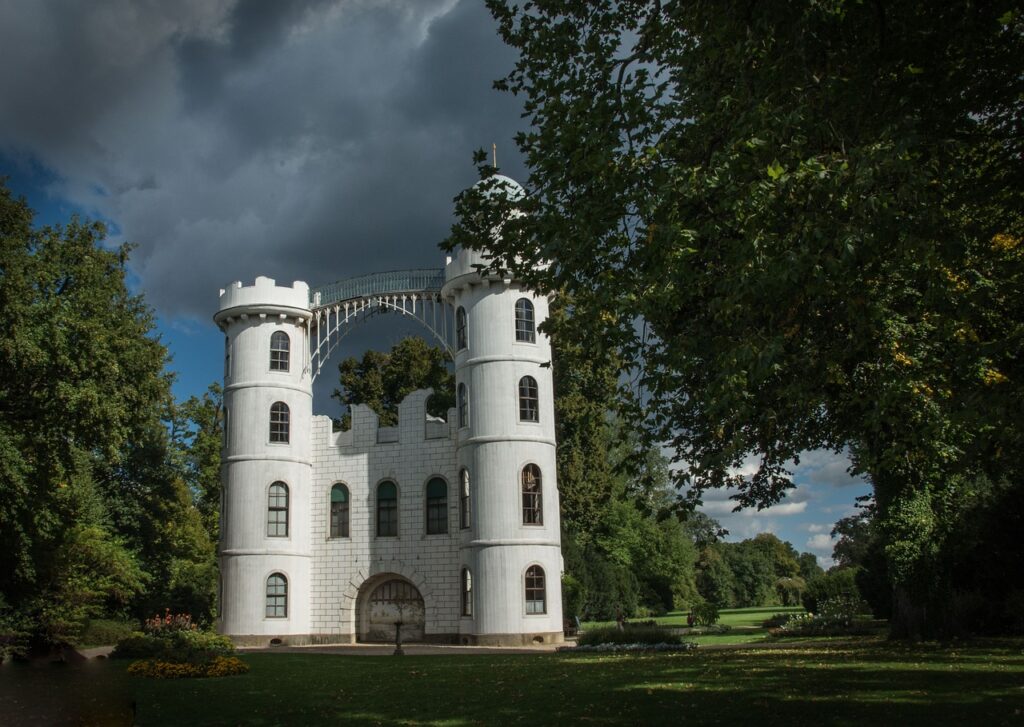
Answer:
(503, 185)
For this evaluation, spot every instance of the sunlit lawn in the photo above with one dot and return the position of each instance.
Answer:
(744, 624)
(857, 682)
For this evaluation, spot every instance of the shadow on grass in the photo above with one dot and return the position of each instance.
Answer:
(865, 682)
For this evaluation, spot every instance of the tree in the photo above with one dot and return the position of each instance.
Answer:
(382, 380)
(801, 225)
(81, 379)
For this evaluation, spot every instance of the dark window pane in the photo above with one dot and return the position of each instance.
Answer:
(277, 596)
(339, 511)
(535, 597)
(279, 422)
(437, 506)
(525, 328)
(277, 510)
(460, 328)
(280, 346)
(528, 406)
(465, 511)
(533, 511)
(387, 509)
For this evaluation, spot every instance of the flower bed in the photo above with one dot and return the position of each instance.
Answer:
(219, 666)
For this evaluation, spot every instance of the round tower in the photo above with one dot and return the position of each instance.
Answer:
(506, 447)
(266, 472)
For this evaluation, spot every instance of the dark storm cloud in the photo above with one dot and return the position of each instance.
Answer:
(312, 140)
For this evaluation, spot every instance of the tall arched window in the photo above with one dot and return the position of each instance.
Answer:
(227, 357)
(277, 510)
(525, 328)
(387, 509)
(467, 592)
(463, 405)
(529, 410)
(533, 506)
(280, 347)
(465, 511)
(339, 511)
(460, 328)
(279, 424)
(277, 596)
(536, 602)
(437, 506)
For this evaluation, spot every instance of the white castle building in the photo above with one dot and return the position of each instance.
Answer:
(450, 528)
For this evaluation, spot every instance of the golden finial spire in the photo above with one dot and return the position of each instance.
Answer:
(494, 150)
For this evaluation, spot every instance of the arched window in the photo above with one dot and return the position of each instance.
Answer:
(437, 506)
(535, 597)
(529, 410)
(526, 331)
(533, 510)
(227, 357)
(387, 509)
(279, 422)
(277, 596)
(463, 404)
(467, 592)
(460, 328)
(280, 345)
(277, 510)
(465, 513)
(339, 511)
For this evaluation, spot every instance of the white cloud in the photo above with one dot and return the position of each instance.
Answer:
(823, 467)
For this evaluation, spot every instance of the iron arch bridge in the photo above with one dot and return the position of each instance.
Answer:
(338, 307)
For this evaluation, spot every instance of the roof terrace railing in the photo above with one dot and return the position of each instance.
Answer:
(394, 282)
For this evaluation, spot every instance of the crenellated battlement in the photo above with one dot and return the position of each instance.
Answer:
(265, 294)
(365, 432)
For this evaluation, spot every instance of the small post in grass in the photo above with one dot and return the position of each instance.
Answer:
(398, 639)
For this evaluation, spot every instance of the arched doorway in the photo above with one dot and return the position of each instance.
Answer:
(385, 600)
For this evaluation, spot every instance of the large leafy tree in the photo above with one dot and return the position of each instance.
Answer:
(381, 380)
(81, 382)
(801, 222)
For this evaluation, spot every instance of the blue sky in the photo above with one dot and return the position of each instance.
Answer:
(312, 140)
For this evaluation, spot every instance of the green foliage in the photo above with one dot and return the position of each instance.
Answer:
(382, 380)
(629, 635)
(105, 631)
(837, 583)
(176, 639)
(816, 212)
(837, 616)
(95, 462)
(572, 596)
(705, 614)
(137, 646)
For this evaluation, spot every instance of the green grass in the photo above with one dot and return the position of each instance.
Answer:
(744, 623)
(854, 682)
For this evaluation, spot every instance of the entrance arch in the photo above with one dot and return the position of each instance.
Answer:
(384, 600)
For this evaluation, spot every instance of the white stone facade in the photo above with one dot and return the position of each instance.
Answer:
(344, 586)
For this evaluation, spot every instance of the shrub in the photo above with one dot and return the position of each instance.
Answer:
(101, 632)
(137, 646)
(220, 666)
(705, 614)
(776, 620)
(837, 582)
(632, 635)
(837, 618)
